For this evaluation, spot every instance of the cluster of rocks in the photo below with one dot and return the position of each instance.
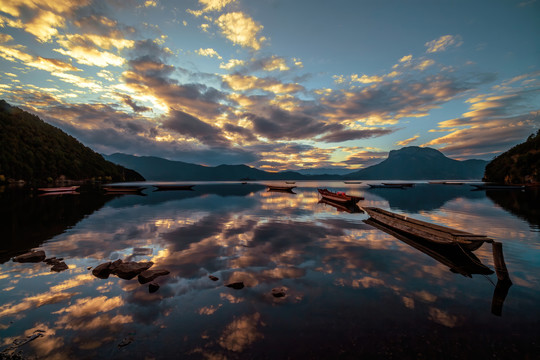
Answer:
(127, 270)
(36, 256)
(278, 292)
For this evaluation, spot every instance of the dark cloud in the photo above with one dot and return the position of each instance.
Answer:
(127, 100)
(279, 124)
(345, 135)
(186, 124)
(246, 133)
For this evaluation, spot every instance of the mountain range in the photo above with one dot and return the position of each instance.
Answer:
(408, 163)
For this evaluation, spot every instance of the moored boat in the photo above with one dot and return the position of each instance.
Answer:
(165, 187)
(339, 197)
(58, 189)
(352, 182)
(290, 182)
(388, 186)
(432, 232)
(280, 187)
(399, 184)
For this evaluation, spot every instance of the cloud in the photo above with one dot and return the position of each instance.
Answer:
(241, 30)
(278, 124)
(407, 141)
(406, 58)
(41, 18)
(127, 100)
(443, 43)
(275, 63)
(191, 126)
(239, 82)
(12, 53)
(83, 49)
(210, 5)
(232, 63)
(490, 126)
(345, 135)
(209, 52)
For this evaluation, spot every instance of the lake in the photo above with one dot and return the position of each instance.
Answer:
(319, 282)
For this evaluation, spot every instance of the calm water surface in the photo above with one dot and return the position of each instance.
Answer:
(351, 289)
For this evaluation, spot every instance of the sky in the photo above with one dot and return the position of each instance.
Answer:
(277, 84)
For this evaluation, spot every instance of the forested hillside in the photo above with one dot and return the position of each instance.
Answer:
(33, 150)
(519, 165)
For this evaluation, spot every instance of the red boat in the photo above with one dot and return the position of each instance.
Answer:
(339, 196)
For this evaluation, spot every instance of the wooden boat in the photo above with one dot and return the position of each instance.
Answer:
(399, 184)
(54, 193)
(167, 187)
(58, 189)
(280, 188)
(346, 207)
(498, 187)
(389, 186)
(352, 182)
(436, 233)
(460, 261)
(339, 197)
(290, 182)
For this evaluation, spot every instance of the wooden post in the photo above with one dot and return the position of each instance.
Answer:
(498, 260)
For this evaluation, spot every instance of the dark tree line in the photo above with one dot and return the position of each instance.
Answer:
(33, 150)
(519, 165)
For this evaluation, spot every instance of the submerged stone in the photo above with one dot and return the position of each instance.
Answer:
(129, 269)
(213, 278)
(149, 275)
(153, 287)
(102, 271)
(236, 285)
(31, 257)
(279, 292)
(59, 266)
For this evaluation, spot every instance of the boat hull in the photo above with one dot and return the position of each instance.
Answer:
(436, 233)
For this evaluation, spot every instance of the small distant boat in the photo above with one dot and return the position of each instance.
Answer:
(339, 197)
(446, 182)
(168, 187)
(290, 182)
(399, 184)
(123, 189)
(498, 187)
(280, 188)
(387, 186)
(48, 193)
(352, 182)
(58, 189)
(435, 233)
(244, 182)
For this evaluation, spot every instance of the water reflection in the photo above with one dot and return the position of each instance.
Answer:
(524, 204)
(350, 288)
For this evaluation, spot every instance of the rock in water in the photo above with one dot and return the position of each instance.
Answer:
(102, 271)
(129, 269)
(59, 266)
(153, 287)
(213, 278)
(236, 285)
(149, 275)
(279, 292)
(31, 257)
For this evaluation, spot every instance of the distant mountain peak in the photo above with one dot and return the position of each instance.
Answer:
(416, 151)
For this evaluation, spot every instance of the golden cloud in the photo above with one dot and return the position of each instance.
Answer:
(41, 18)
(209, 52)
(239, 82)
(241, 29)
(275, 63)
(443, 43)
(232, 63)
(33, 302)
(5, 38)
(210, 5)
(407, 141)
